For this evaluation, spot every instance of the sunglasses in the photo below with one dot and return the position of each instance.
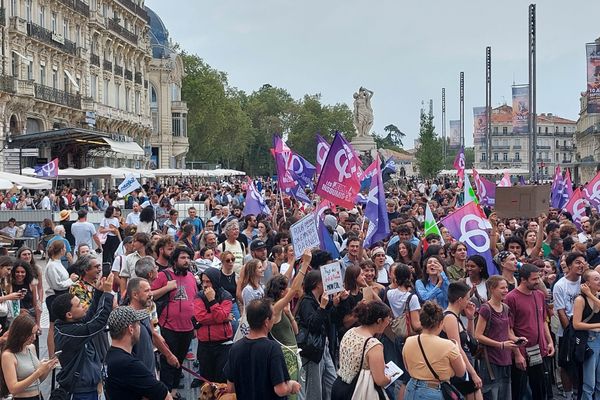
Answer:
(380, 255)
(229, 260)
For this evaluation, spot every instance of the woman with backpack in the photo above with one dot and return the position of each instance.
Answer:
(21, 369)
(494, 335)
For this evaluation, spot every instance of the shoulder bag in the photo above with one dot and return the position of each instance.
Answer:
(449, 392)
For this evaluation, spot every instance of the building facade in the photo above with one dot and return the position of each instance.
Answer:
(555, 143)
(169, 140)
(76, 81)
(587, 159)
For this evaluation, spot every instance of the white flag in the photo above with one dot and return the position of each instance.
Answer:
(128, 185)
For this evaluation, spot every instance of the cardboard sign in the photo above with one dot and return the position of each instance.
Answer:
(304, 235)
(332, 278)
(522, 201)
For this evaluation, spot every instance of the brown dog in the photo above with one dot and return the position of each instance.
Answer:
(215, 391)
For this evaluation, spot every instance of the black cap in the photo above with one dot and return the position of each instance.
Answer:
(257, 244)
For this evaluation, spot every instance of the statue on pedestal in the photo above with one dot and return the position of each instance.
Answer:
(363, 112)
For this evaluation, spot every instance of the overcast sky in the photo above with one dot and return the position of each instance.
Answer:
(404, 51)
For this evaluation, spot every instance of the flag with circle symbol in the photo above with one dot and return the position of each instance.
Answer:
(576, 207)
(339, 181)
(322, 150)
(254, 204)
(469, 225)
(591, 191)
(49, 170)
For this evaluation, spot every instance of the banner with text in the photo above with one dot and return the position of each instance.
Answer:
(520, 108)
(592, 52)
(304, 235)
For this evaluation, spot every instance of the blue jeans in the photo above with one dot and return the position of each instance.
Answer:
(235, 310)
(498, 388)
(419, 390)
(591, 368)
(85, 396)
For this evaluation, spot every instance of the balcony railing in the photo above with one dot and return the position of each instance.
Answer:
(53, 39)
(544, 147)
(501, 146)
(138, 78)
(118, 70)
(517, 147)
(118, 29)
(135, 8)
(7, 83)
(128, 75)
(95, 59)
(78, 6)
(52, 95)
(107, 65)
(567, 148)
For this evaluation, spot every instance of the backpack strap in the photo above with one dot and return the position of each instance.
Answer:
(435, 375)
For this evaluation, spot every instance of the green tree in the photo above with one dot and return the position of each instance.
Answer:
(214, 114)
(428, 157)
(312, 117)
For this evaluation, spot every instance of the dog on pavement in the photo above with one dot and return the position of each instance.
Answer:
(215, 391)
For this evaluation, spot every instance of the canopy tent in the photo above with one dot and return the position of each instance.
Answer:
(26, 182)
(103, 172)
(511, 171)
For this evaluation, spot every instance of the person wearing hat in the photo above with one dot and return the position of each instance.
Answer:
(128, 378)
(65, 220)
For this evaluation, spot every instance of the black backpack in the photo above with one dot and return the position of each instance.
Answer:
(163, 300)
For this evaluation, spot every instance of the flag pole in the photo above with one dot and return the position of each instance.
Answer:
(282, 205)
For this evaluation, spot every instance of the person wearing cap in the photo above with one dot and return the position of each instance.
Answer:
(258, 250)
(75, 335)
(382, 266)
(128, 378)
(65, 220)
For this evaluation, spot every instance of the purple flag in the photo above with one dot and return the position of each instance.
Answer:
(322, 150)
(522, 180)
(339, 181)
(591, 191)
(302, 171)
(486, 190)
(254, 204)
(568, 192)
(576, 206)
(49, 170)
(376, 211)
(281, 153)
(468, 225)
(558, 187)
(326, 242)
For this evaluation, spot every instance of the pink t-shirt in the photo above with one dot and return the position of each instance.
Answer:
(525, 320)
(177, 315)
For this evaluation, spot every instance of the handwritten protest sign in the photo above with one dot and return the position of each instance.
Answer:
(304, 235)
(332, 278)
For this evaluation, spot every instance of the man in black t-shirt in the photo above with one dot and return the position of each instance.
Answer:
(256, 369)
(128, 378)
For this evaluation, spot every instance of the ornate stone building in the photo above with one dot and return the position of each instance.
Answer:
(75, 83)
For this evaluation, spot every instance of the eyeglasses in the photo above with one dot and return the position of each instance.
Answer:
(229, 260)
(380, 255)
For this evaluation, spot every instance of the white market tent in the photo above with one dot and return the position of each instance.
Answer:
(26, 182)
(119, 173)
(511, 171)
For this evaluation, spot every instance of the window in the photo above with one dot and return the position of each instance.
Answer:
(66, 84)
(564, 129)
(66, 29)
(179, 124)
(53, 23)
(175, 92)
(504, 130)
(517, 156)
(28, 10)
(42, 21)
(556, 157)
(546, 130)
(127, 99)
(556, 130)
(494, 142)
(138, 99)
(483, 157)
(504, 156)
(517, 142)
(94, 86)
(564, 143)
(42, 74)
(153, 98)
(78, 35)
(155, 121)
(15, 65)
(539, 129)
(117, 95)
(104, 10)
(54, 78)
(495, 156)
(106, 82)
(564, 156)
(14, 8)
(78, 81)
(495, 129)
(30, 71)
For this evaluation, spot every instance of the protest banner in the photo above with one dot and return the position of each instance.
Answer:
(333, 281)
(128, 185)
(305, 235)
(522, 201)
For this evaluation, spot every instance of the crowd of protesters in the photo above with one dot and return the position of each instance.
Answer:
(230, 286)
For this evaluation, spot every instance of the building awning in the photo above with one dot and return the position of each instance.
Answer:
(131, 148)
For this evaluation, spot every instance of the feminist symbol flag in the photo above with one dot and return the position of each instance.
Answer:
(49, 170)
(468, 225)
(591, 191)
(376, 210)
(568, 192)
(486, 190)
(281, 152)
(576, 207)
(254, 204)
(322, 150)
(459, 164)
(558, 187)
(339, 181)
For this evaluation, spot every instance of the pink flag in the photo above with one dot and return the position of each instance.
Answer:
(486, 190)
(322, 150)
(505, 181)
(339, 181)
(591, 191)
(568, 183)
(459, 164)
(576, 207)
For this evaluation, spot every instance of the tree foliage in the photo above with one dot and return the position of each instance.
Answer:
(235, 129)
(428, 154)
